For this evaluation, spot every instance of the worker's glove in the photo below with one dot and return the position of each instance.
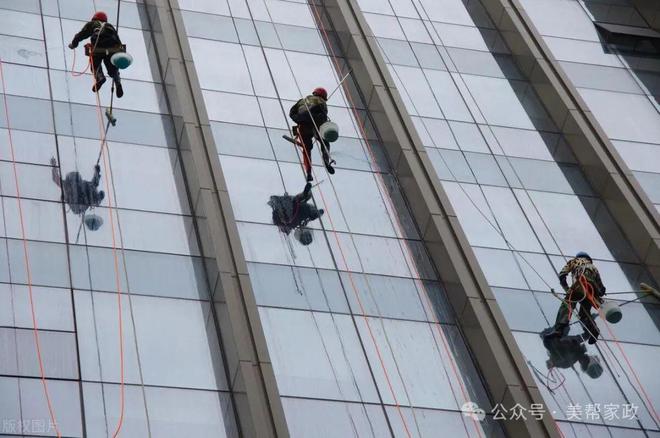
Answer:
(73, 45)
(53, 161)
(97, 169)
(308, 187)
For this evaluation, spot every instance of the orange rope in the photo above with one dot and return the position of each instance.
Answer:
(26, 258)
(73, 66)
(106, 158)
(650, 407)
(359, 301)
(411, 265)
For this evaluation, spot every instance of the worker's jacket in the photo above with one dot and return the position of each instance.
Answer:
(103, 35)
(311, 107)
(582, 266)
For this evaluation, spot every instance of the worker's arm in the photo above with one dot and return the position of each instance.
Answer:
(97, 175)
(55, 172)
(293, 112)
(305, 195)
(84, 33)
(599, 285)
(564, 273)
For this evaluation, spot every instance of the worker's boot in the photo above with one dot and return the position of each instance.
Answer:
(100, 80)
(591, 335)
(328, 163)
(119, 89)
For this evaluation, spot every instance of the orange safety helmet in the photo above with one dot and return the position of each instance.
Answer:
(100, 16)
(320, 92)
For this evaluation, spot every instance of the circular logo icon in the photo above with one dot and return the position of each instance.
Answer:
(472, 410)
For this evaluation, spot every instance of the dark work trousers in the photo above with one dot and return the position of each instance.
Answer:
(113, 71)
(306, 134)
(574, 295)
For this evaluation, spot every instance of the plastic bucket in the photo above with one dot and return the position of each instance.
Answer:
(594, 369)
(612, 311)
(329, 131)
(121, 60)
(93, 222)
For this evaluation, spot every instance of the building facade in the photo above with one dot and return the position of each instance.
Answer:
(482, 144)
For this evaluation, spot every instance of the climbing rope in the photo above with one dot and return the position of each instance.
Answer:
(26, 257)
(477, 207)
(391, 212)
(103, 152)
(339, 245)
(348, 411)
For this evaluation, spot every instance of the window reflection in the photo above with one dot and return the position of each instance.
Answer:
(294, 212)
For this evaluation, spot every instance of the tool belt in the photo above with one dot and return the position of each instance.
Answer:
(104, 51)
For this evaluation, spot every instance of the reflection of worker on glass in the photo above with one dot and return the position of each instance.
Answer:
(80, 195)
(294, 213)
(565, 351)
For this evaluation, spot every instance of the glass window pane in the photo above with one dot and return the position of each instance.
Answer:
(215, 27)
(21, 24)
(298, 288)
(330, 419)
(174, 332)
(317, 355)
(222, 107)
(65, 397)
(226, 76)
(624, 116)
(183, 412)
(52, 307)
(102, 404)
(22, 51)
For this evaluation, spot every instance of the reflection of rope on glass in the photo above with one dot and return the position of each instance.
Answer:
(80, 195)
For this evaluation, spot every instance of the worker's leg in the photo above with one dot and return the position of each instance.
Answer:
(591, 331)
(325, 153)
(99, 77)
(564, 313)
(561, 322)
(306, 136)
(113, 72)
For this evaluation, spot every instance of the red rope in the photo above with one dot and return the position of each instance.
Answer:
(411, 264)
(26, 257)
(650, 407)
(73, 66)
(111, 209)
(379, 354)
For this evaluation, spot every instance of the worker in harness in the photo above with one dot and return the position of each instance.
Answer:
(309, 114)
(79, 195)
(294, 213)
(587, 289)
(104, 43)
(565, 351)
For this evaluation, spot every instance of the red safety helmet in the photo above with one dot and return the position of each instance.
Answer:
(100, 16)
(320, 92)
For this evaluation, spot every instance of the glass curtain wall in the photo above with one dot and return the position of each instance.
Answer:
(620, 88)
(523, 203)
(174, 381)
(361, 338)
